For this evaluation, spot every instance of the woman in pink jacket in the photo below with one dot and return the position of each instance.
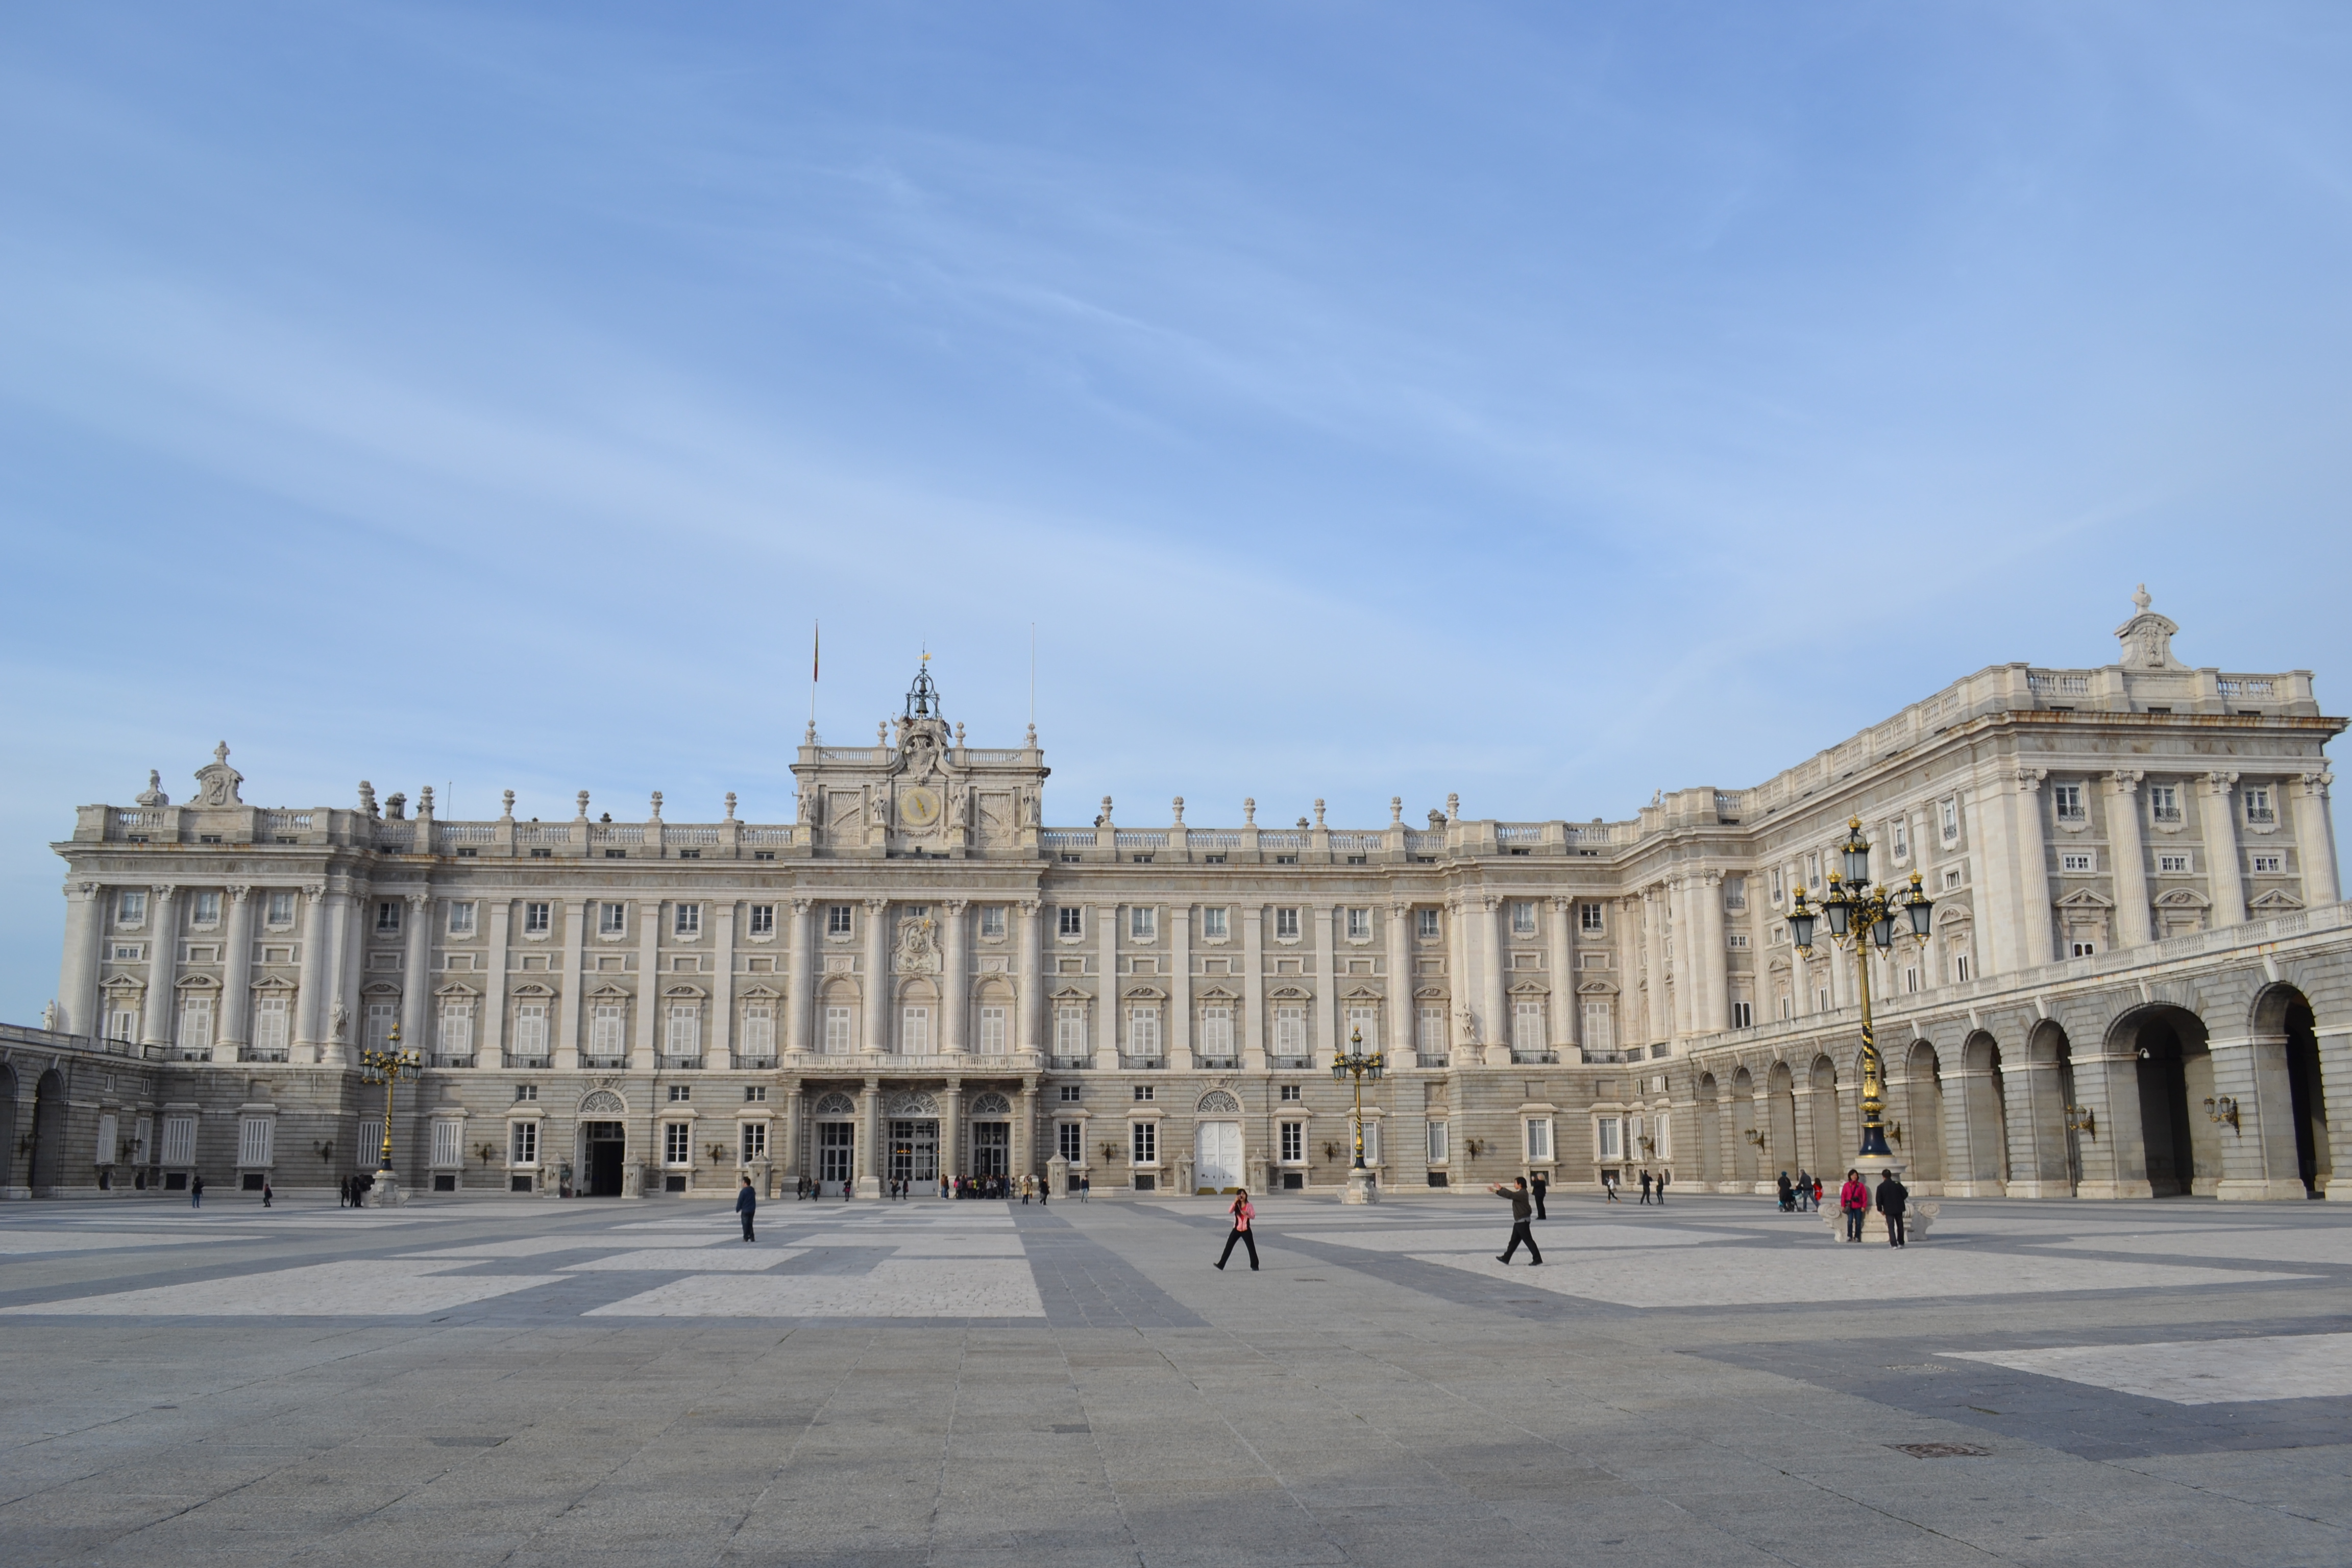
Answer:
(1242, 1212)
(1854, 1199)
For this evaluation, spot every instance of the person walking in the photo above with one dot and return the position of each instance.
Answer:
(1609, 1186)
(195, 1192)
(1537, 1186)
(344, 1194)
(1817, 1192)
(747, 1203)
(1893, 1199)
(1522, 1222)
(1854, 1200)
(1645, 1189)
(265, 1192)
(1663, 1175)
(1788, 1194)
(1243, 1212)
(1086, 1185)
(1804, 1188)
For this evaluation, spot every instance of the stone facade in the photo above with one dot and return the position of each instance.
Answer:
(2136, 981)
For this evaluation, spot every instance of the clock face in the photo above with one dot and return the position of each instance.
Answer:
(919, 807)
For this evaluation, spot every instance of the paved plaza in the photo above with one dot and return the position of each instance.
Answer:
(579, 1383)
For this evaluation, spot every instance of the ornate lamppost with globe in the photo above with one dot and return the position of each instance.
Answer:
(1862, 916)
(387, 1068)
(1362, 1186)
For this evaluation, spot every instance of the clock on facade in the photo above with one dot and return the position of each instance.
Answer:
(919, 807)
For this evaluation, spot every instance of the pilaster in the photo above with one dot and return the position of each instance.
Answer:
(566, 1058)
(878, 988)
(2128, 857)
(237, 977)
(798, 967)
(721, 1048)
(955, 978)
(417, 971)
(2224, 873)
(1180, 985)
(163, 963)
(309, 1003)
(77, 998)
(645, 1046)
(2315, 840)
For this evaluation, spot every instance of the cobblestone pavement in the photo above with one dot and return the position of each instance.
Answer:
(582, 1383)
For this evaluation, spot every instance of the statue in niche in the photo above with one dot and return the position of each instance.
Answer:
(1029, 805)
(1465, 1024)
(878, 807)
(959, 803)
(339, 1020)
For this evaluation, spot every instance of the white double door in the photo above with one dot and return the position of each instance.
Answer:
(1217, 1155)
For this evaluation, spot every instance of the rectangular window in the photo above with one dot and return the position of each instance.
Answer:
(1743, 1014)
(763, 919)
(1143, 924)
(2164, 802)
(281, 910)
(1070, 1029)
(2268, 865)
(1070, 1137)
(109, 1139)
(678, 1092)
(1359, 925)
(461, 917)
(685, 1030)
(2172, 863)
(836, 920)
(1609, 1137)
(1291, 1031)
(2075, 863)
(1425, 921)
(195, 1027)
(530, 1031)
(1143, 1033)
(837, 1031)
(387, 915)
(915, 1031)
(1911, 977)
(687, 920)
(1952, 822)
(1951, 877)
(204, 909)
(2082, 949)
(1737, 940)
(1370, 1133)
(1902, 840)
(612, 919)
(1217, 1031)
(1285, 925)
(2258, 805)
(1526, 1028)
(1364, 1025)
(991, 923)
(1293, 1091)
(991, 1031)
(122, 1025)
(526, 1091)
(1429, 1030)
(1293, 1142)
(1600, 1026)
(678, 1144)
(1147, 1092)
(456, 1027)
(522, 1143)
(1071, 921)
(538, 919)
(759, 1030)
(130, 908)
(1440, 1143)
(446, 1148)
(1212, 924)
(1143, 1139)
(1538, 1137)
(1779, 884)
(255, 1135)
(1069, 1092)
(269, 1032)
(1960, 968)
(381, 1018)
(1735, 892)
(1523, 917)
(2068, 798)
(179, 1139)
(754, 1142)
(608, 1027)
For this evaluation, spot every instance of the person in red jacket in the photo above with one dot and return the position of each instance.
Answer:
(1854, 1200)
(1242, 1211)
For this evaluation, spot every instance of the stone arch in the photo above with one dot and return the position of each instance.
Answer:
(48, 1137)
(838, 991)
(1744, 1161)
(8, 1128)
(2285, 1056)
(2044, 1158)
(1709, 1118)
(835, 1106)
(1218, 1102)
(1780, 1151)
(1978, 1164)
(1917, 1102)
(1826, 1152)
(602, 1102)
(2167, 1144)
(912, 1104)
(991, 1104)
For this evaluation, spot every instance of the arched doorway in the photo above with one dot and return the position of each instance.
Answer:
(1783, 1156)
(1710, 1131)
(1744, 1151)
(1983, 1165)
(991, 1136)
(2286, 1044)
(7, 1130)
(835, 1120)
(48, 1133)
(2177, 1149)
(1921, 1134)
(1829, 1128)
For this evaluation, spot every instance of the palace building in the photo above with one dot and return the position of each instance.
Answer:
(2138, 977)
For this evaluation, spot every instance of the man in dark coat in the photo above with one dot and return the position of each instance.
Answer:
(1892, 1195)
(1522, 1212)
(747, 1202)
(1536, 1188)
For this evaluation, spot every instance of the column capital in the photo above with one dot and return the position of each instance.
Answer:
(955, 906)
(802, 906)
(314, 892)
(162, 891)
(1028, 906)
(87, 890)
(877, 905)
(2221, 783)
(238, 891)
(417, 899)
(2029, 779)
(1560, 902)
(2125, 780)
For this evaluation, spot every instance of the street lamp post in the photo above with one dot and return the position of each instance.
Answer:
(1861, 916)
(387, 1068)
(1353, 1063)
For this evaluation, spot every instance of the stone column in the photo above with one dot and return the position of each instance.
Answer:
(2127, 859)
(1490, 977)
(2335, 1041)
(2037, 1149)
(1031, 980)
(235, 1030)
(566, 1055)
(351, 972)
(955, 978)
(1563, 974)
(2258, 1154)
(1682, 960)
(646, 1048)
(950, 1127)
(2315, 840)
(790, 1156)
(1653, 968)
(1974, 1158)
(1713, 999)
(1180, 988)
(878, 976)
(491, 1038)
(2223, 874)
(721, 1048)
(1327, 989)
(869, 1139)
(1106, 1051)
(1024, 1132)
(1254, 989)
(2038, 917)
(2109, 1087)
(310, 1001)
(163, 964)
(80, 1011)
(799, 966)
(416, 972)
(1402, 1007)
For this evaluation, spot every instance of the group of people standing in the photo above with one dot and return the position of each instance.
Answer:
(1855, 1199)
(354, 1190)
(1653, 1187)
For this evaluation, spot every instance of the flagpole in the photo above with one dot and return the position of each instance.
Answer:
(817, 650)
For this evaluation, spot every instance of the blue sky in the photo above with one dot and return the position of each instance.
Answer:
(1361, 400)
